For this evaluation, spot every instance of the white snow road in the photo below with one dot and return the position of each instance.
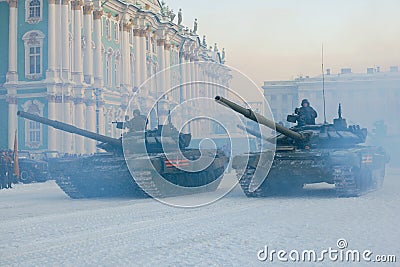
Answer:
(40, 226)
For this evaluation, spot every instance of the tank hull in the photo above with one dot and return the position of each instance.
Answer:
(107, 176)
(354, 171)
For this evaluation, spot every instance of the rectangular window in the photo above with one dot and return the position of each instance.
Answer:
(34, 132)
(34, 60)
(34, 9)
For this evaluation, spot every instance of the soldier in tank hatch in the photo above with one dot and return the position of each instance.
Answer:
(137, 123)
(306, 113)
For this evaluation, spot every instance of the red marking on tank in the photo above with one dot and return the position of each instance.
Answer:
(176, 163)
(367, 159)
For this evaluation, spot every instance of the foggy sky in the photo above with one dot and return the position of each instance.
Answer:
(281, 39)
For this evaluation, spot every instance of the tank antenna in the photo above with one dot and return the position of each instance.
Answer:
(323, 83)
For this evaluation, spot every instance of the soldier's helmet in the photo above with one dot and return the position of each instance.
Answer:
(136, 112)
(305, 101)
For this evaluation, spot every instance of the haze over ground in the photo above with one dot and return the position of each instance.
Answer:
(275, 40)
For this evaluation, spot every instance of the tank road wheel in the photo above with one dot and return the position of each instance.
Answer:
(352, 182)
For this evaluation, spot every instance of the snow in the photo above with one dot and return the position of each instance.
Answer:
(41, 226)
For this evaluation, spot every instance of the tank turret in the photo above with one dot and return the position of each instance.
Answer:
(337, 134)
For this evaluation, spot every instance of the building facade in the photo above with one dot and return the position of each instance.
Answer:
(365, 97)
(80, 62)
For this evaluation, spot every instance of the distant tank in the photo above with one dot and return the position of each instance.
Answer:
(107, 174)
(332, 153)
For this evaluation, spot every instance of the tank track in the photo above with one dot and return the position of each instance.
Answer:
(84, 185)
(352, 183)
(69, 188)
(345, 181)
(245, 176)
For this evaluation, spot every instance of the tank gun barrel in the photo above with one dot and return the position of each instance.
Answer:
(248, 113)
(69, 128)
(255, 133)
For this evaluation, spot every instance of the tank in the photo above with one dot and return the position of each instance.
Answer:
(333, 153)
(109, 174)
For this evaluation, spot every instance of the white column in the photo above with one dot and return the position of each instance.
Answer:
(142, 55)
(98, 59)
(58, 32)
(126, 55)
(193, 77)
(183, 77)
(88, 52)
(12, 119)
(60, 117)
(79, 122)
(101, 116)
(51, 71)
(188, 77)
(161, 66)
(68, 110)
(136, 47)
(65, 40)
(79, 105)
(76, 6)
(90, 145)
(167, 60)
(51, 132)
(12, 76)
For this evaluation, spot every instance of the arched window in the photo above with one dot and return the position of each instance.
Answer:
(148, 43)
(108, 29)
(131, 37)
(116, 31)
(154, 45)
(33, 42)
(109, 54)
(116, 74)
(33, 11)
(33, 130)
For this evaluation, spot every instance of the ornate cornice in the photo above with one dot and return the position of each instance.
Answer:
(136, 32)
(52, 2)
(65, 2)
(97, 14)
(90, 102)
(58, 99)
(68, 98)
(51, 98)
(78, 100)
(101, 103)
(76, 4)
(12, 99)
(13, 3)
(87, 9)
(142, 33)
(167, 46)
(126, 26)
(160, 42)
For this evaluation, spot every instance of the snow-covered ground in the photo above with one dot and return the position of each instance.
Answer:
(39, 226)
